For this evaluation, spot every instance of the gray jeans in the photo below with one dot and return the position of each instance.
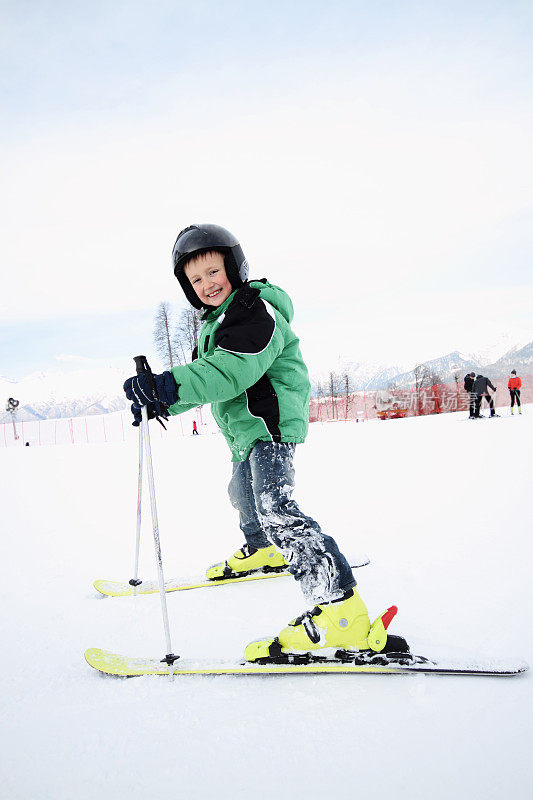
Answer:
(261, 490)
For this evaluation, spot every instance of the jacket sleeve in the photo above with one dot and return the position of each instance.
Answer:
(181, 408)
(247, 342)
(491, 386)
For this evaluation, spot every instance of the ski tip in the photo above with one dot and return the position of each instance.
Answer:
(105, 662)
(93, 655)
(113, 588)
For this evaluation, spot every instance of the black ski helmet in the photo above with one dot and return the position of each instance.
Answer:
(198, 239)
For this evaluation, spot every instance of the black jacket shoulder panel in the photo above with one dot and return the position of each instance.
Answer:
(246, 296)
(246, 327)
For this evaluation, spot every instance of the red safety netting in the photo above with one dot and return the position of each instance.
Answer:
(409, 401)
(97, 429)
(380, 404)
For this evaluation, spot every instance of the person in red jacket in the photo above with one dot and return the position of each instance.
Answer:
(514, 386)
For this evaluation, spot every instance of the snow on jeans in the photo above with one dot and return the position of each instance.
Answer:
(260, 489)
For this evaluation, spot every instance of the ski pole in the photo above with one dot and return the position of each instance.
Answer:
(142, 367)
(136, 581)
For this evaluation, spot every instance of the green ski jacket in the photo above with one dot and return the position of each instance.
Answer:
(250, 369)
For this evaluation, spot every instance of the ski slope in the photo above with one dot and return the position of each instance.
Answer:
(442, 506)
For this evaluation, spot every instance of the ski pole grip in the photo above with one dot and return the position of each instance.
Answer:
(141, 364)
(143, 368)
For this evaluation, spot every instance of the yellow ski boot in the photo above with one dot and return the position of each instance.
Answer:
(342, 623)
(248, 560)
(336, 631)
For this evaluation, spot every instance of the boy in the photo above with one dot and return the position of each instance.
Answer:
(250, 369)
(514, 385)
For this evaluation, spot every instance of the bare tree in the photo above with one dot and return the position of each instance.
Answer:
(419, 375)
(434, 378)
(320, 395)
(346, 388)
(424, 378)
(185, 339)
(333, 388)
(163, 335)
(457, 392)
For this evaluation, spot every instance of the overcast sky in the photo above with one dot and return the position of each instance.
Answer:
(373, 158)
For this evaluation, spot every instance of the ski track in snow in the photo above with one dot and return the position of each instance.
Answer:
(442, 508)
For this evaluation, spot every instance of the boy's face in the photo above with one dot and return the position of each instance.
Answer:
(208, 278)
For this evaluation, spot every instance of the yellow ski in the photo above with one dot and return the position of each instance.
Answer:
(118, 589)
(124, 666)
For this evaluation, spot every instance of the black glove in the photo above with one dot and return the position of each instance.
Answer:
(151, 413)
(156, 392)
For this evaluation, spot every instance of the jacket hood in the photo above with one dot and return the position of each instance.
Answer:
(276, 297)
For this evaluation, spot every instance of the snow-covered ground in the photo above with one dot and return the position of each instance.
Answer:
(441, 505)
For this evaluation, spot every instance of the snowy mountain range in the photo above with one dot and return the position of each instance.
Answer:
(375, 375)
(99, 391)
(57, 394)
(456, 363)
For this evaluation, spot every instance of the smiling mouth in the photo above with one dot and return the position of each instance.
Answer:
(214, 294)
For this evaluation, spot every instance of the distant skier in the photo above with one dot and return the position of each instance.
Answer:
(514, 386)
(250, 369)
(481, 390)
(468, 384)
(194, 428)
